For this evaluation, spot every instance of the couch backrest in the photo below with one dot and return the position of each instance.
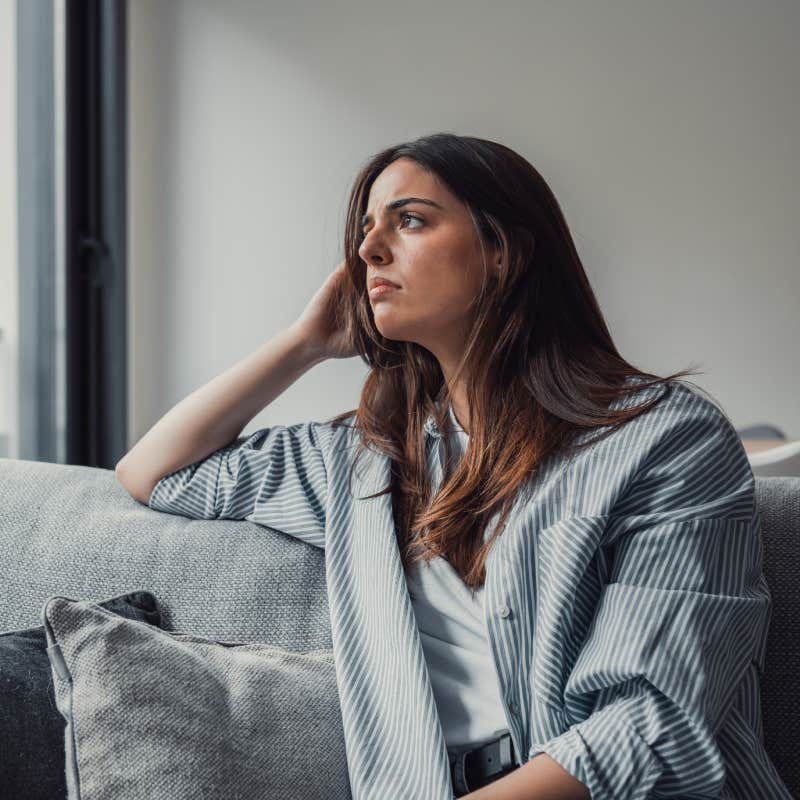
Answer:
(779, 505)
(75, 531)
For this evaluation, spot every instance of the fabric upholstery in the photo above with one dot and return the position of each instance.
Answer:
(31, 727)
(75, 531)
(779, 505)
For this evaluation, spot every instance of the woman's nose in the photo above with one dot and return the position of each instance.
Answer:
(371, 251)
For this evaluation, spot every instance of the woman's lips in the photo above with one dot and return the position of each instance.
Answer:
(382, 289)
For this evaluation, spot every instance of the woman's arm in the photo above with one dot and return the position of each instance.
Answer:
(683, 615)
(679, 622)
(216, 413)
(541, 778)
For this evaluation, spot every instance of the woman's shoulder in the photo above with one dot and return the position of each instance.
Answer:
(677, 402)
(683, 414)
(686, 438)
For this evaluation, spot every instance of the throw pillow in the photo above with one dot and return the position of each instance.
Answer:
(31, 727)
(165, 715)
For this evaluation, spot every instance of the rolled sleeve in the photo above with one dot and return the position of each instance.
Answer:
(684, 614)
(274, 477)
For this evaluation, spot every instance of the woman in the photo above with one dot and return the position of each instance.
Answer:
(545, 577)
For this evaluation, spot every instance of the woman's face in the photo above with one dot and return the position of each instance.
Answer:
(430, 251)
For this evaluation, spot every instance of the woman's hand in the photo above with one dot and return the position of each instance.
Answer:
(322, 324)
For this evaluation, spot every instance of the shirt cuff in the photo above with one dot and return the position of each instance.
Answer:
(609, 758)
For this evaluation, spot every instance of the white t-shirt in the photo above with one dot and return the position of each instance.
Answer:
(454, 636)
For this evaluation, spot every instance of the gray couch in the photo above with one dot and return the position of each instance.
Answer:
(75, 531)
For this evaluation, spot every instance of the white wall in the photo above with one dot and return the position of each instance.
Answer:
(666, 130)
(8, 227)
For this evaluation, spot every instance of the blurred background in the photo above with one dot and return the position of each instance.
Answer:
(175, 178)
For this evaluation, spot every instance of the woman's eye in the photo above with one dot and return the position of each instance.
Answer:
(403, 217)
(410, 216)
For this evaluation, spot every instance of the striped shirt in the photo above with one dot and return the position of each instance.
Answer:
(451, 619)
(625, 603)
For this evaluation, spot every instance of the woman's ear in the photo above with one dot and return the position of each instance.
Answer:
(497, 261)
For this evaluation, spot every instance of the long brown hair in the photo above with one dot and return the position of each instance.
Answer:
(540, 363)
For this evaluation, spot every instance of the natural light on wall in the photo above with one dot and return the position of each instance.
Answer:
(8, 225)
(17, 385)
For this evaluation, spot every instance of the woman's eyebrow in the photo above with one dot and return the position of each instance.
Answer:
(402, 201)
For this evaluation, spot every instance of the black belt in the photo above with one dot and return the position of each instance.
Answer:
(473, 766)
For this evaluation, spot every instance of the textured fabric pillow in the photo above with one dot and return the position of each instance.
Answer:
(31, 727)
(166, 716)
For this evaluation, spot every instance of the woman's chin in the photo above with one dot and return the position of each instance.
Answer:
(396, 333)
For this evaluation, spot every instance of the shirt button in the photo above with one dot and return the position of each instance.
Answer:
(504, 611)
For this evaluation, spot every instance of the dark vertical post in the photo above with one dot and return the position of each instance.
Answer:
(96, 246)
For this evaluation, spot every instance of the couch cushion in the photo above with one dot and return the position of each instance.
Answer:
(31, 728)
(174, 715)
(74, 530)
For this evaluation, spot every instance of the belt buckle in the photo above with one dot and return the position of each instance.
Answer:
(485, 764)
